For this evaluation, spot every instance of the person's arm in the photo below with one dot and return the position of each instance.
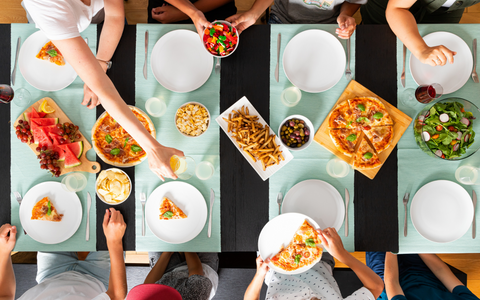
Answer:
(114, 228)
(254, 288)
(159, 269)
(7, 277)
(441, 270)
(244, 20)
(333, 243)
(404, 26)
(194, 264)
(168, 14)
(77, 53)
(111, 33)
(346, 21)
(391, 277)
(193, 13)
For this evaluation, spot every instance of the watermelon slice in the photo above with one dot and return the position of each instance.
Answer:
(70, 159)
(44, 121)
(76, 148)
(41, 137)
(52, 129)
(58, 139)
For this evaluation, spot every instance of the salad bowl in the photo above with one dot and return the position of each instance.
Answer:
(446, 129)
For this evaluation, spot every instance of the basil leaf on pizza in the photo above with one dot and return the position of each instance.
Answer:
(49, 212)
(108, 138)
(135, 148)
(361, 107)
(351, 137)
(52, 53)
(378, 115)
(115, 151)
(368, 155)
(168, 214)
(360, 119)
(297, 258)
(125, 143)
(310, 243)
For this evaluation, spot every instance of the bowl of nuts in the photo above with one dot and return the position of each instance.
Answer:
(192, 119)
(295, 132)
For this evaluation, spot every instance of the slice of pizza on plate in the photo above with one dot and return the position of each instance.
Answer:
(52, 54)
(366, 157)
(345, 140)
(380, 136)
(45, 211)
(170, 211)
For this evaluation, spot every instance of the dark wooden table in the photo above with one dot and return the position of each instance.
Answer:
(244, 211)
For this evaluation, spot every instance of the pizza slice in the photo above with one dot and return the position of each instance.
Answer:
(360, 106)
(381, 136)
(169, 211)
(378, 116)
(345, 140)
(366, 158)
(341, 116)
(302, 250)
(45, 211)
(52, 54)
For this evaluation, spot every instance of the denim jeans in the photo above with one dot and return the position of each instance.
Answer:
(274, 20)
(97, 265)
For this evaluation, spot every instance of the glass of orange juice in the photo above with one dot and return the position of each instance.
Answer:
(182, 166)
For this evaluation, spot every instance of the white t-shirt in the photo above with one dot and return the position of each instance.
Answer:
(62, 19)
(317, 282)
(70, 285)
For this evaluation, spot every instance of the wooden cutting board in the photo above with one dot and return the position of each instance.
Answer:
(400, 120)
(87, 165)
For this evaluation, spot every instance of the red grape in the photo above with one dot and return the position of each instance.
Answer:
(20, 121)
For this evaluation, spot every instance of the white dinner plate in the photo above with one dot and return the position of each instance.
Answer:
(278, 233)
(450, 76)
(442, 211)
(314, 60)
(179, 61)
(66, 203)
(189, 200)
(42, 74)
(318, 200)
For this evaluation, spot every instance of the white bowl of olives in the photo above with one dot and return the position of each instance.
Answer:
(296, 132)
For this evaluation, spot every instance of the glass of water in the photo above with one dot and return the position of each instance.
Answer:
(467, 175)
(74, 182)
(291, 96)
(22, 98)
(337, 168)
(204, 170)
(156, 107)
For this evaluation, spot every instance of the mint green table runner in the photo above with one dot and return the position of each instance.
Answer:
(25, 169)
(205, 147)
(417, 168)
(311, 162)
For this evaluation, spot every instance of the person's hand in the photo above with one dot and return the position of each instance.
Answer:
(89, 97)
(114, 226)
(262, 266)
(159, 161)
(8, 238)
(200, 22)
(346, 26)
(166, 14)
(332, 242)
(242, 21)
(436, 56)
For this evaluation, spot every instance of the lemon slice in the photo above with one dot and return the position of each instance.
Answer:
(46, 108)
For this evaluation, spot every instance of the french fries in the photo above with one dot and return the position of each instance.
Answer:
(253, 138)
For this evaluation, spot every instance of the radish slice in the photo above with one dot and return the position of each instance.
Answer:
(439, 153)
(459, 135)
(465, 121)
(427, 114)
(421, 118)
(466, 138)
(455, 148)
(426, 136)
(444, 118)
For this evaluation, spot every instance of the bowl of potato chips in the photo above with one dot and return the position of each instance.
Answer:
(113, 186)
(192, 119)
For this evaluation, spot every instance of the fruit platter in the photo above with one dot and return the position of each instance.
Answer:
(57, 142)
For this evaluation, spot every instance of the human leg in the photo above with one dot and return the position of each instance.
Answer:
(97, 265)
(50, 264)
(210, 259)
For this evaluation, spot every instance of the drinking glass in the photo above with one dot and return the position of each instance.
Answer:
(6, 93)
(204, 170)
(156, 107)
(182, 166)
(337, 168)
(22, 98)
(291, 96)
(424, 94)
(74, 182)
(467, 175)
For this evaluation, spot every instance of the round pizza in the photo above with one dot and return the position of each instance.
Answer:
(114, 145)
(367, 115)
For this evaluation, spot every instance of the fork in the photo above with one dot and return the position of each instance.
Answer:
(217, 66)
(405, 202)
(279, 202)
(474, 72)
(143, 198)
(19, 200)
(348, 72)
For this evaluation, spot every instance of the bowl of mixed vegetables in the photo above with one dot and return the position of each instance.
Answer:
(220, 39)
(446, 129)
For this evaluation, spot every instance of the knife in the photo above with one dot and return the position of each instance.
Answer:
(279, 41)
(212, 199)
(16, 59)
(146, 54)
(404, 59)
(89, 203)
(474, 225)
(347, 199)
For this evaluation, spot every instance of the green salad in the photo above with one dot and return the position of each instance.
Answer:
(447, 129)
